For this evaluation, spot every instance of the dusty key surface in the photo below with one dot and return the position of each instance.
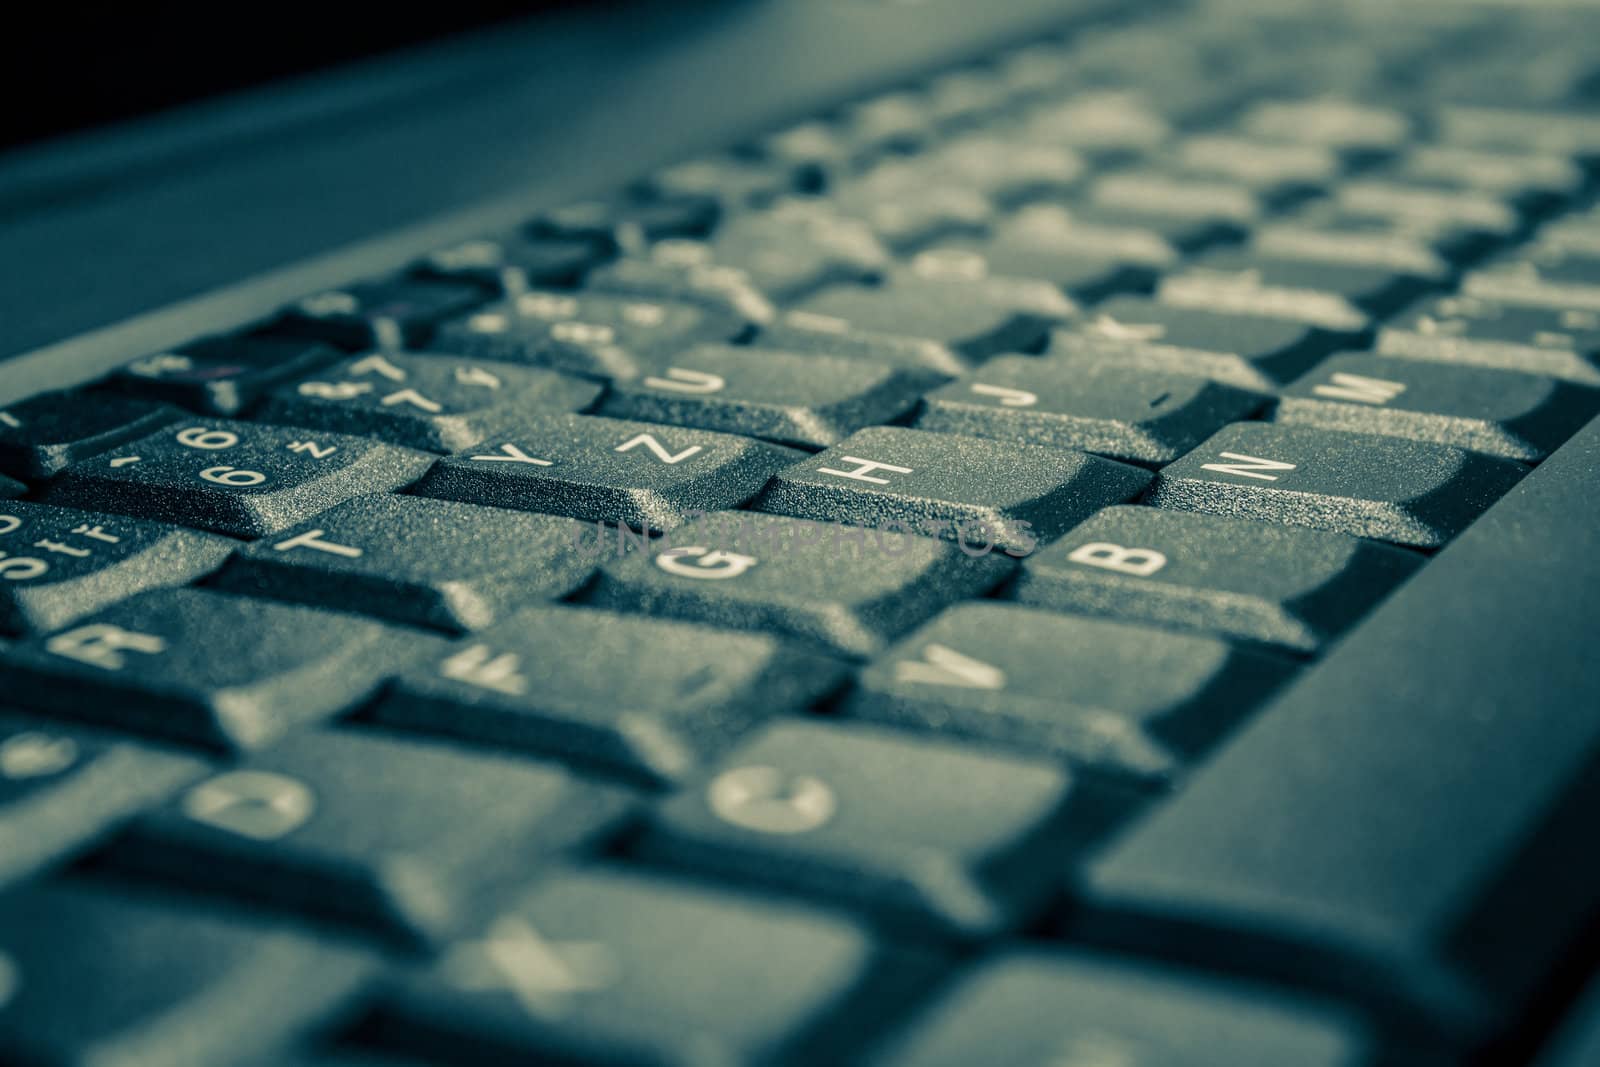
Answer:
(1278, 585)
(1408, 492)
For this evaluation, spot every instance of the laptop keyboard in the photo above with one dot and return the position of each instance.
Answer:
(772, 613)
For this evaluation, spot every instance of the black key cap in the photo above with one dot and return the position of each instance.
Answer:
(1501, 413)
(786, 397)
(1009, 171)
(974, 317)
(411, 838)
(1082, 275)
(589, 968)
(1107, 126)
(726, 291)
(732, 182)
(1123, 412)
(235, 477)
(592, 334)
(223, 375)
(630, 223)
(1278, 585)
(217, 670)
(1096, 233)
(1336, 295)
(41, 435)
(870, 818)
(1472, 331)
(1532, 180)
(792, 251)
(513, 264)
(1402, 202)
(1278, 170)
(1129, 701)
(433, 402)
(1558, 264)
(828, 335)
(98, 974)
(893, 122)
(1416, 860)
(59, 564)
(1385, 488)
(1075, 1009)
(1348, 127)
(412, 560)
(397, 313)
(1249, 351)
(1151, 192)
(61, 787)
(1359, 243)
(1521, 283)
(979, 491)
(9, 488)
(1548, 131)
(843, 588)
(907, 209)
(531, 683)
(608, 470)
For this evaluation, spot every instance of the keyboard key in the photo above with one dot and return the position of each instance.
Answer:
(828, 335)
(1255, 352)
(893, 122)
(512, 264)
(976, 318)
(412, 560)
(1543, 131)
(1402, 202)
(867, 817)
(1073, 1008)
(845, 589)
(908, 208)
(1278, 170)
(223, 375)
(608, 470)
(724, 291)
(62, 787)
(1497, 412)
(531, 683)
(59, 564)
(235, 478)
(392, 314)
(1151, 192)
(429, 402)
(1082, 275)
(1335, 123)
(630, 223)
(1415, 865)
(1356, 242)
(1283, 586)
(1472, 331)
(590, 334)
(404, 837)
(1006, 170)
(41, 435)
(9, 488)
(1126, 413)
(1132, 702)
(794, 249)
(731, 182)
(1108, 126)
(1332, 294)
(981, 492)
(1523, 285)
(203, 667)
(793, 399)
(602, 966)
(1386, 488)
(1532, 180)
(98, 974)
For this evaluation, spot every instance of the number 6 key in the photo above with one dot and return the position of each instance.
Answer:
(235, 477)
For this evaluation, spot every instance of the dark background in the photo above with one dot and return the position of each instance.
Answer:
(66, 66)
